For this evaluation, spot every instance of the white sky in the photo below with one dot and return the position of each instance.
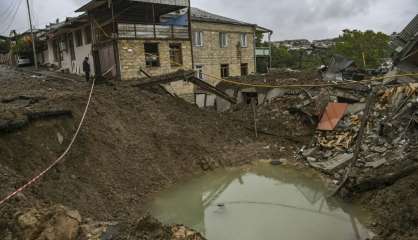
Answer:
(290, 19)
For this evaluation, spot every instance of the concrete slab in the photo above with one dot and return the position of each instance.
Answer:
(376, 164)
(334, 164)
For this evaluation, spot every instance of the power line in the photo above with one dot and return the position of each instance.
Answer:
(13, 17)
(9, 12)
(6, 10)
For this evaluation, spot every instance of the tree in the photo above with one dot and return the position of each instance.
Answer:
(23, 46)
(4, 46)
(354, 43)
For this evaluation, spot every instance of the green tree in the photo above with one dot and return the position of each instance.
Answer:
(354, 43)
(4, 46)
(23, 46)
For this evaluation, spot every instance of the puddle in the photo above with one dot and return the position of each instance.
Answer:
(262, 202)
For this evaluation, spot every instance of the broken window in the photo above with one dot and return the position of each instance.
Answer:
(55, 49)
(244, 40)
(244, 69)
(71, 46)
(87, 32)
(198, 39)
(224, 70)
(176, 56)
(199, 71)
(78, 38)
(223, 39)
(152, 55)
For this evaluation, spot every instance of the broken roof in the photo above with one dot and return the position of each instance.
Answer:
(405, 43)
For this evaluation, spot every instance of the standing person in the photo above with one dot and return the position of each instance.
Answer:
(86, 68)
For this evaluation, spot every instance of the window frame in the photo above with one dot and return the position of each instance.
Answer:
(88, 34)
(176, 48)
(223, 40)
(246, 69)
(244, 40)
(78, 35)
(199, 71)
(198, 35)
(227, 73)
(152, 63)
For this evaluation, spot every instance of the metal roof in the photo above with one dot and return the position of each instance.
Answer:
(98, 3)
(201, 15)
(410, 30)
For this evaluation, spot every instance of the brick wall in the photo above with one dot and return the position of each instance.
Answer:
(211, 55)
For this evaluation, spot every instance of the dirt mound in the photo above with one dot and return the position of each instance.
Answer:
(133, 144)
(148, 228)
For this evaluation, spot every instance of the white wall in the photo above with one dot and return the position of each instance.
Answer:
(74, 66)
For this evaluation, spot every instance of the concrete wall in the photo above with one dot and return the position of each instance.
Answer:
(211, 55)
(73, 66)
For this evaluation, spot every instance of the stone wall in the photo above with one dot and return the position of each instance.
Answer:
(211, 55)
(132, 58)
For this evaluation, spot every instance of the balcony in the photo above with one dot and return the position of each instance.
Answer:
(149, 31)
(262, 52)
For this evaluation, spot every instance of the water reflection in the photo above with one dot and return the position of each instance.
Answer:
(263, 202)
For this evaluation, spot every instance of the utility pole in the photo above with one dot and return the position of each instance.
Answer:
(35, 57)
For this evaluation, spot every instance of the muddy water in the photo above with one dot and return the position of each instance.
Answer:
(261, 202)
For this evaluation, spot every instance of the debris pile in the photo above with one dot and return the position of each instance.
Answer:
(391, 127)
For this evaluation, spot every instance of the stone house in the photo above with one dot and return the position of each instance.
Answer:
(222, 48)
(130, 39)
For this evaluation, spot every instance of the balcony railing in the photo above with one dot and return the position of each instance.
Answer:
(143, 31)
(262, 52)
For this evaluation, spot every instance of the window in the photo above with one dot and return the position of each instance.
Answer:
(224, 70)
(223, 40)
(87, 32)
(71, 45)
(152, 55)
(244, 69)
(176, 56)
(244, 40)
(198, 39)
(78, 38)
(55, 48)
(199, 71)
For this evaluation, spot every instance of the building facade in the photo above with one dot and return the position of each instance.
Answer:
(130, 40)
(222, 47)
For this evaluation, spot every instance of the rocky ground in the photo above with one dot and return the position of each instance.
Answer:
(135, 142)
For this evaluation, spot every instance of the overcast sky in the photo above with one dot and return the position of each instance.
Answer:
(290, 19)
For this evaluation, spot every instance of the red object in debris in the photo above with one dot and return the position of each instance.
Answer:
(332, 115)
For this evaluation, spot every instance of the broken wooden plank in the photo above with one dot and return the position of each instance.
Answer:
(212, 89)
(334, 164)
(166, 78)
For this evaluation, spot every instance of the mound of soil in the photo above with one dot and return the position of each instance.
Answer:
(134, 143)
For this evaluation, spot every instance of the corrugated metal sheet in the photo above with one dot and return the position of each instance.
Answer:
(332, 115)
(410, 30)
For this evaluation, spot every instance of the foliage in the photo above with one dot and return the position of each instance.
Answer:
(374, 45)
(4, 46)
(22, 47)
(259, 37)
(282, 57)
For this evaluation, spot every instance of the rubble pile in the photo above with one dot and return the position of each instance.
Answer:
(391, 129)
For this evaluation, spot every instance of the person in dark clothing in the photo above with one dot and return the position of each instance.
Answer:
(86, 68)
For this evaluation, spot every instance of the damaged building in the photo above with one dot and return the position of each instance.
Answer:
(130, 40)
